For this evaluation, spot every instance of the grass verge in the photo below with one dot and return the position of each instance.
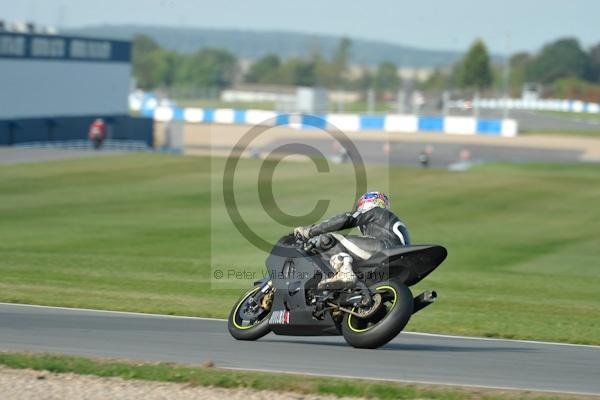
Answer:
(146, 233)
(215, 377)
(357, 106)
(588, 133)
(573, 115)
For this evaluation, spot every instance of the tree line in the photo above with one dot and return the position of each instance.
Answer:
(155, 67)
(563, 67)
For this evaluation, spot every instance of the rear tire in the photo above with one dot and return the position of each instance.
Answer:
(247, 332)
(384, 325)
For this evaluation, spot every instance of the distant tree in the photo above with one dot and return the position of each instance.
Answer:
(594, 56)
(305, 74)
(560, 59)
(474, 71)
(573, 88)
(438, 81)
(386, 78)
(144, 44)
(340, 60)
(208, 68)
(155, 67)
(364, 81)
(326, 74)
(332, 73)
(299, 72)
(169, 63)
(147, 58)
(265, 70)
(318, 69)
(519, 62)
(520, 59)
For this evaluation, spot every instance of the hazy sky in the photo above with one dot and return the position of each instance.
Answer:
(434, 24)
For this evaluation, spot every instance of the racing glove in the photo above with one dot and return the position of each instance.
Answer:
(302, 232)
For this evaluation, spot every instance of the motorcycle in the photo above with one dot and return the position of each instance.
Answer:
(288, 302)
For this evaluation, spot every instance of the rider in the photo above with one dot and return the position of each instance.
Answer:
(380, 227)
(97, 133)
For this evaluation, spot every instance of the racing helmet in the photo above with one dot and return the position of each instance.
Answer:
(371, 200)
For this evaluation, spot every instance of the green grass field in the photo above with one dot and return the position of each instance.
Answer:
(592, 133)
(356, 106)
(207, 103)
(573, 115)
(138, 233)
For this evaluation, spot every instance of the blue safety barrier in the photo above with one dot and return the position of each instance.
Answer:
(349, 122)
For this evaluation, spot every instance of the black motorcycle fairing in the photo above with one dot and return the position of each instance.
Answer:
(295, 273)
(292, 279)
(408, 264)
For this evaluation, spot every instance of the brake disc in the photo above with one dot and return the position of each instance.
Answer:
(365, 312)
(250, 310)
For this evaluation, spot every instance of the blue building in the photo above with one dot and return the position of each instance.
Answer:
(52, 87)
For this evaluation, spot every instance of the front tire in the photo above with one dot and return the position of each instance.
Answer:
(381, 327)
(248, 330)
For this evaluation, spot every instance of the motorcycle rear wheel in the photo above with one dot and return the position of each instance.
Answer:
(382, 326)
(247, 329)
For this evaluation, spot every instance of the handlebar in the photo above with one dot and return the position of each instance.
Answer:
(314, 244)
(307, 245)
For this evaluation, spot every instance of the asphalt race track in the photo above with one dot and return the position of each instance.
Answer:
(444, 154)
(17, 155)
(410, 357)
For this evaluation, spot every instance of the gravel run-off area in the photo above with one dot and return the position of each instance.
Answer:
(21, 384)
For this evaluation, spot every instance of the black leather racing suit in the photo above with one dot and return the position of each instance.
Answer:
(380, 227)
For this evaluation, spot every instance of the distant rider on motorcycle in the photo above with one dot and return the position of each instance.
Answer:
(97, 133)
(380, 228)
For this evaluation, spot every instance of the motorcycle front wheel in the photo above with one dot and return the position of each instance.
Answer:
(248, 321)
(381, 326)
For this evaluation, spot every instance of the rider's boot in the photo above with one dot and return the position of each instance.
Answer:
(344, 278)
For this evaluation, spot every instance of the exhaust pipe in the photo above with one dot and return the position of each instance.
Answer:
(423, 300)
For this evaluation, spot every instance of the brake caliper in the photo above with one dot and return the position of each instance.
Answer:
(267, 301)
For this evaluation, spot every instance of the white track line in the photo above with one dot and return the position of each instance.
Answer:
(137, 314)
(140, 314)
(440, 335)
